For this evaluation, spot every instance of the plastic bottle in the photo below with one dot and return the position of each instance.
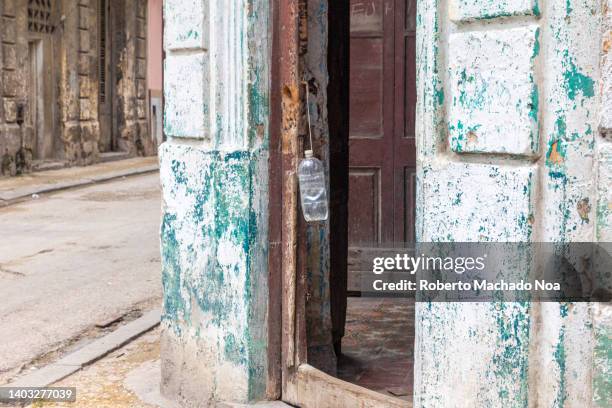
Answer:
(313, 189)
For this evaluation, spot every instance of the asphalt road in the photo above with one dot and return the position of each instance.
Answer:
(73, 259)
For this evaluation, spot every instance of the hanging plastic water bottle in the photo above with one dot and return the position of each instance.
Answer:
(313, 189)
(311, 175)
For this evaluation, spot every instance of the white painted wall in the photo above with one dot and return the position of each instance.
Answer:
(508, 117)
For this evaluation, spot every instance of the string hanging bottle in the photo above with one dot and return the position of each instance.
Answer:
(311, 176)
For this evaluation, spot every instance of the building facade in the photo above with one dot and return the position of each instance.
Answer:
(512, 141)
(74, 81)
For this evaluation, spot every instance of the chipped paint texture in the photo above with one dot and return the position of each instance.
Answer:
(602, 358)
(602, 313)
(498, 207)
(207, 90)
(178, 68)
(494, 96)
(605, 121)
(466, 10)
(515, 84)
(214, 174)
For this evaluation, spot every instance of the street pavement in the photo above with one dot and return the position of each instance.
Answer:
(73, 259)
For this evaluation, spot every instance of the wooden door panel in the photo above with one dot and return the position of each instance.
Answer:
(371, 122)
(410, 15)
(408, 185)
(367, 16)
(364, 200)
(409, 109)
(366, 88)
(404, 158)
(382, 122)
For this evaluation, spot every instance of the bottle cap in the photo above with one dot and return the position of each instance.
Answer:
(308, 154)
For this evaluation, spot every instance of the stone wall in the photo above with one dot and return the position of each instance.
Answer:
(73, 120)
(14, 54)
(131, 57)
(78, 94)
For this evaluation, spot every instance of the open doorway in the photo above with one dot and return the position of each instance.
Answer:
(371, 97)
(378, 345)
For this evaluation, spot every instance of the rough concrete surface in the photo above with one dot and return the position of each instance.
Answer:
(74, 259)
(90, 353)
(114, 381)
(128, 378)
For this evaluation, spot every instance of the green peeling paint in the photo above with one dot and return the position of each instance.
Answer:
(575, 81)
(560, 360)
(221, 217)
(535, 103)
(510, 362)
(602, 380)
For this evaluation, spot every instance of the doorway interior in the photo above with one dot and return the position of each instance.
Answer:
(377, 349)
(371, 98)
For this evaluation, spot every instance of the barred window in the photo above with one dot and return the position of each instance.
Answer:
(39, 16)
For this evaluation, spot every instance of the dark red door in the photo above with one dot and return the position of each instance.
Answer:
(381, 132)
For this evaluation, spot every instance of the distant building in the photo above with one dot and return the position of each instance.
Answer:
(80, 81)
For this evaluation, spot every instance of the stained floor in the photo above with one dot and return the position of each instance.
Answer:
(378, 346)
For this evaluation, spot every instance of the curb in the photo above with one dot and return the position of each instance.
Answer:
(20, 194)
(89, 354)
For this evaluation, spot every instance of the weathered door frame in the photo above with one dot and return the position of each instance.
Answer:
(295, 380)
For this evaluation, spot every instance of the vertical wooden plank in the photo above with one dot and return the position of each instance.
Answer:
(290, 111)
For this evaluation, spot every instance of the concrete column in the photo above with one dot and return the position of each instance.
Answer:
(514, 84)
(214, 174)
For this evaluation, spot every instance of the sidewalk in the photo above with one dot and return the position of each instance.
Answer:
(127, 378)
(16, 189)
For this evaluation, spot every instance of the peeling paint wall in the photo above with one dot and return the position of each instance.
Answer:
(602, 313)
(507, 120)
(214, 172)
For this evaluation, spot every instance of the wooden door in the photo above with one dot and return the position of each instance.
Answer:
(35, 95)
(41, 98)
(382, 157)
